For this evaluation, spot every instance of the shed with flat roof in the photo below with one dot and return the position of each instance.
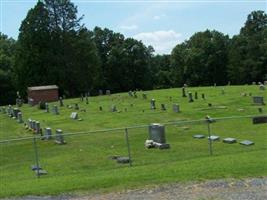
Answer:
(47, 93)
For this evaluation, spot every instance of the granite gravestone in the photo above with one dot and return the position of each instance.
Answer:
(259, 119)
(20, 120)
(229, 140)
(258, 100)
(113, 108)
(108, 92)
(203, 96)
(196, 95)
(176, 108)
(81, 97)
(76, 106)
(100, 92)
(183, 92)
(47, 107)
(190, 97)
(37, 127)
(152, 104)
(130, 93)
(87, 100)
(74, 115)
(61, 102)
(15, 112)
(163, 107)
(55, 110)
(59, 139)
(144, 96)
(48, 133)
(156, 137)
(262, 87)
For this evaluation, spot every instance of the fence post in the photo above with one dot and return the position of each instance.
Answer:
(36, 156)
(210, 142)
(128, 146)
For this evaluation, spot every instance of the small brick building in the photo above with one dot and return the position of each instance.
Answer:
(46, 93)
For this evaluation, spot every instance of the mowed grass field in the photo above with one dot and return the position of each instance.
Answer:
(84, 164)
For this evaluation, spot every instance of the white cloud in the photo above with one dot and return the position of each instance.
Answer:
(129, 27)
(162, 41)
(157, 17)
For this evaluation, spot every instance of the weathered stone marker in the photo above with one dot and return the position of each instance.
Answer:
(108, 92)
(37, 127)
(190, 97)
(213, 138)
(20, 120)
(196, 95)
(100, 108)
(87, 100)
(262, 87)
(183, 92)
(130, 93)
(259, 120)
(59, 139)
(100, 92)
(15, 112)
(176, 108)
(48, 133)
(229, 140)
(203, 96)
(152, 104)
(163, 107)
(223, 92)
(199, 136)
(258, 100)
(55, 110)
(113, 108)
(74, 115)
(144, 96)
(47, 107)
(61, 102)
(247, 142)
(76, 106)
(156, 137)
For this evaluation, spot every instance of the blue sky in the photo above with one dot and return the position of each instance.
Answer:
(161, 24)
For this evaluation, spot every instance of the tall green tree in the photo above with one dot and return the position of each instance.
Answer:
(7, 87)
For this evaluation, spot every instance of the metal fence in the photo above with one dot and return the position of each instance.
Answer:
(85, 151)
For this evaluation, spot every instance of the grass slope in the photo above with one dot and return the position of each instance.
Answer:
(84, 162)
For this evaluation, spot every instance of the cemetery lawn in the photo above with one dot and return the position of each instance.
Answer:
(84, 164)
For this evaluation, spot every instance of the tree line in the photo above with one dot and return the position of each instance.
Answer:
(54, 47)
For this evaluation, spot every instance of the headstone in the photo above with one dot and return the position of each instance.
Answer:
(209, 104)
(258, 100)
(144, 96)
(259, 120)
(253, 83)
(198, 136)
(4, 110)
(47, 107)
(74, 115)
(123, 160)
(30, 101)
(262, 87)
(196, 95)
(19, 102)
(100, 92)
(81, 97)
(20, 120)
(203, 96)
(29, 123)
(33, 125)
(170, 98)
(223, 92)
(157, 133)
(15, 112)
(183, 91)
(135, 94)
(152, 104)
(59, 139)
(229, 140)
(247, 142)
(265, 82)
(100, 108)
(163, 107)
(108, 92)
(48, 133)
(130, 93)
(76, 106)
(215, 84)
(61, 102)
(38, 127)
(87, 100)
(229, 83)
(55, 110)
(113, 108)
(9, 110)
(260, 110)
(176, 108)
(213, 138)
(190, 97)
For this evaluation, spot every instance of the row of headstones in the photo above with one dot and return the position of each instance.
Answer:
(190, 95)
(175, 107)
(100, 92)
(14, 113)
(134, 94)
(258, 100)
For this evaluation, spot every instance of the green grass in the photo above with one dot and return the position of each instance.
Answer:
(84, 163)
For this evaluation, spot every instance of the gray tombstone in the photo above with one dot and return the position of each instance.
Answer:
(55, 110)
(260, 110)
(61, 102)
(247, 142)
(48, 133)
(176, 108)
(33, 125)
(265, 82)
(157, 133)
(76, 106)
(163, 107)
(214, 138)
(190, 97)
(152, 104)
(29, 122)
(258, 100)
(262, 87)
(229, 140)
(253, 83)
(113, 108)
(199, 136)
(47, 107)
(4, 110)
(87, 100)
(203, 96)
(144, 96)
(59, 139)
(74, 115)
(37, 127)
(196, 95)
(15, 112)
(130, 93)
(9, 110)
(100, 92)
(183, 91)
(20, 120)
(31, 101)
(135, 94)
(100, 108)
(223, 92)
(108, 92)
